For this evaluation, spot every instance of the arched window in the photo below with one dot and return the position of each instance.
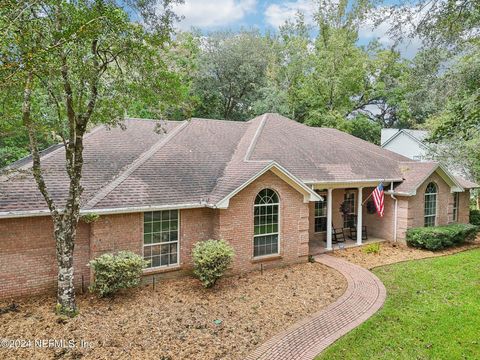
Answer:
(430, 212)
(266, 220)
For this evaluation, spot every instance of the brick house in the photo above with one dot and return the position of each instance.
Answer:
(271, 187)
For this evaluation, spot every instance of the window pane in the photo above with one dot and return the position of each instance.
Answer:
(147, 216)
(155, 261)
(147, 228)
(157, 215)
(156, 227)
(147, 238)
(147, 251)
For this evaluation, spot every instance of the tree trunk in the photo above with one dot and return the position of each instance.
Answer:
(65, 241)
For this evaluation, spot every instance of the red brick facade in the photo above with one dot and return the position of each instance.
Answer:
(27, 256)
(27, 249)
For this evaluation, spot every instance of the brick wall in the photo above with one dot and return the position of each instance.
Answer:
(379, 227)
(27, 256)
(464, 207)
(235, 224)
(27, 248)
(195, 225)
(112, 233)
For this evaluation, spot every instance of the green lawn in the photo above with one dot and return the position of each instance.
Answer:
(432, 311)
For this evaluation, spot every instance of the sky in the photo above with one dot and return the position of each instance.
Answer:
(264, 15)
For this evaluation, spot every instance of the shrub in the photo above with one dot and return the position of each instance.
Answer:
(475, 217)
(440, 237)
(116, 271)
(372, 248)
(210, 260)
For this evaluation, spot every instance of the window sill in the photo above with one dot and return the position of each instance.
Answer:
(266, 258)
(163, 269)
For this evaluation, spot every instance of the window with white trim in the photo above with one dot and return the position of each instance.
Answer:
(456, 200)
(320, 215)
(266, 223)
(430, 212)
(349, 218)
(160, 238)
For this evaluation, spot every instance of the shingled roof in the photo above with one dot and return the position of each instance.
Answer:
(196, 163)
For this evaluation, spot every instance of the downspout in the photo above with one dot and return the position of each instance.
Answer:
(395, 213)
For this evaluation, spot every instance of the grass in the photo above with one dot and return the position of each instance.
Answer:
(432, 311)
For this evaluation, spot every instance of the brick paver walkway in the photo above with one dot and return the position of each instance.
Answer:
(364, 296)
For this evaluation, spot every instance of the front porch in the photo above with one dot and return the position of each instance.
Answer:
(334, 220)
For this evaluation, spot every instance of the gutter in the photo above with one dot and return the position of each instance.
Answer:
(313, 182)
(124, 210)
(395, 214)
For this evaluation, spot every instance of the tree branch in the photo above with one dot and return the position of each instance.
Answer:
(37, 170)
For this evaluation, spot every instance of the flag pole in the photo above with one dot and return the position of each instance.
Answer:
(363, 203)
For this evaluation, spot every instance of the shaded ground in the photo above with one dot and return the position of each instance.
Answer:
(177, 321)
(432, 312)
(395, 252)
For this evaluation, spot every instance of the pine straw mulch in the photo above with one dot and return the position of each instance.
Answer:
(395, 252)
(177, 320)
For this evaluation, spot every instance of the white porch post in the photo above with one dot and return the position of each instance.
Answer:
(329, 219)
(359, 216)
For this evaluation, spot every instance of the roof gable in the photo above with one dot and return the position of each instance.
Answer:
(416, 173)
(408, 133)
(282, 173)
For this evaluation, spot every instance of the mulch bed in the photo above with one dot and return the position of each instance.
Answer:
(396, 252)
(179, 320)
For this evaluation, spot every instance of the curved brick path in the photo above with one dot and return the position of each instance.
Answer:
(364, 296)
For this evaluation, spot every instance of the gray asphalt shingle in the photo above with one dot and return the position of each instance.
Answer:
(202, 161)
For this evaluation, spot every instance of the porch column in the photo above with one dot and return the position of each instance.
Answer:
(329, 219)
(359, 216)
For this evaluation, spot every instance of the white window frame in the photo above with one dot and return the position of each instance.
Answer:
(177, 264)
(425, 205)
(324, 195)
(273, 233)
(354, 212)
(456, 203)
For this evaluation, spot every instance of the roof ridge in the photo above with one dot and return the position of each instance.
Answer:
(253, 143)
(129, 169)
(222, 120)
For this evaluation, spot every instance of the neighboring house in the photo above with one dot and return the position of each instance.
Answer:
(406, 142)
(271, 187)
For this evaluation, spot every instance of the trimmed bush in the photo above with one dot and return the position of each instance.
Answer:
(441, 237)
(211, 259)
(475, 217)
(114, 272)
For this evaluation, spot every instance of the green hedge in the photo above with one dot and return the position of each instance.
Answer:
(114, 272)
(211, 259)
(441, 237)
(475, 217)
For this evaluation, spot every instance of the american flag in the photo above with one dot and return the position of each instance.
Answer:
(378, 196)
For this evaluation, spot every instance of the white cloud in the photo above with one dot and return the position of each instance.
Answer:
(212, 14)
(408, 46)
(277, 14)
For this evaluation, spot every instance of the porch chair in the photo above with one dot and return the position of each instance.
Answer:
(338, 235)
(353, 233)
